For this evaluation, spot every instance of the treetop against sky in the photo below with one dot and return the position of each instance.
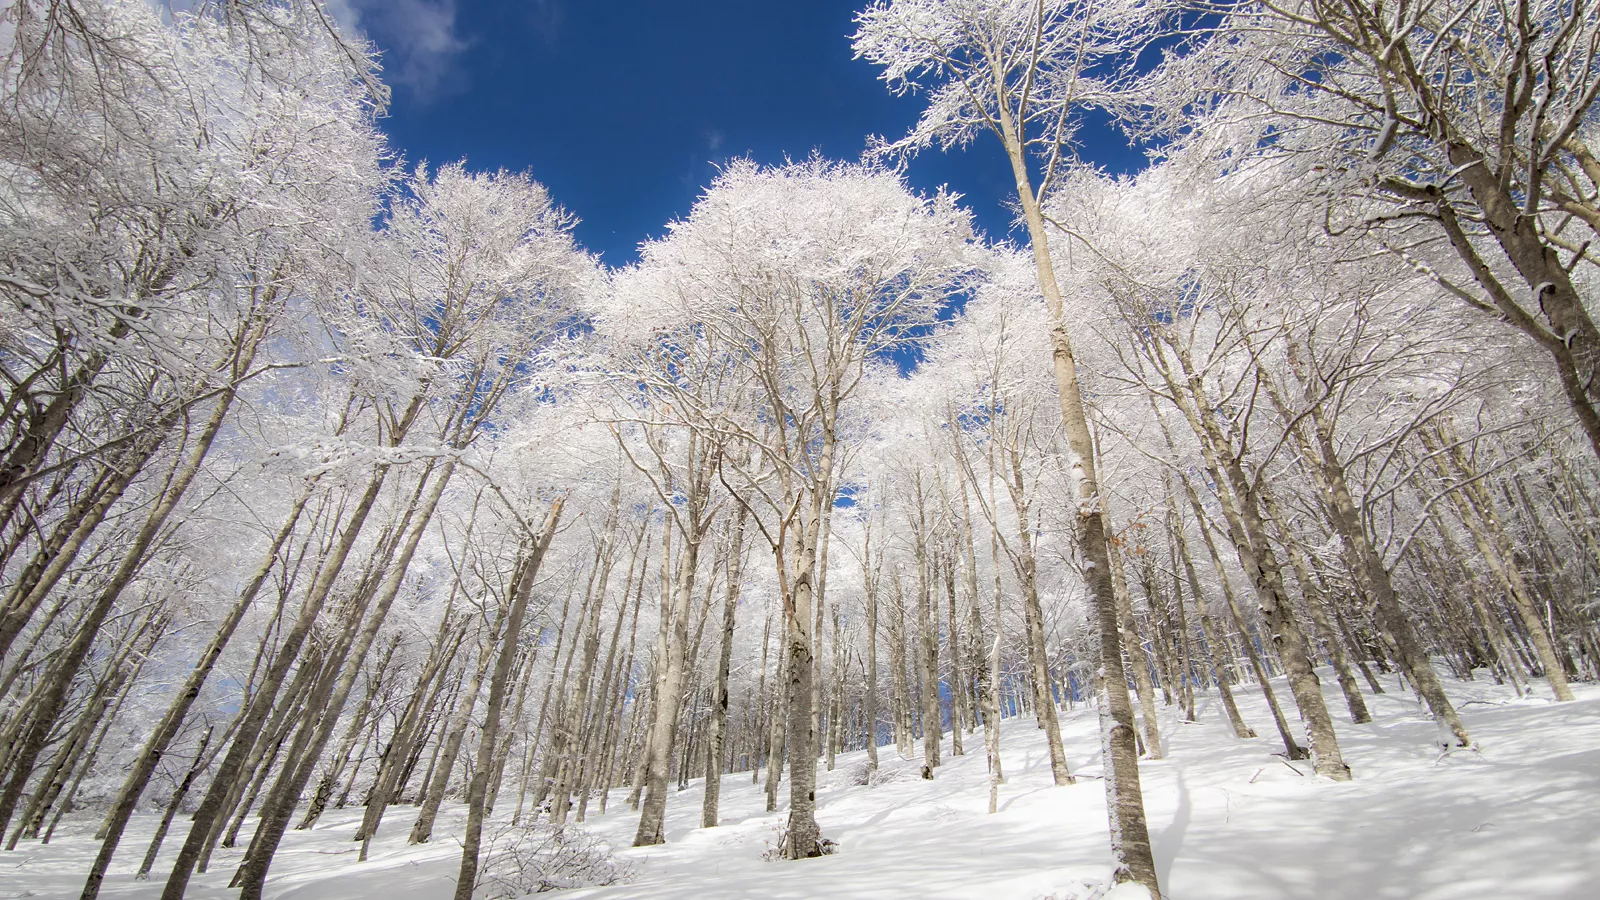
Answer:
(627, 109)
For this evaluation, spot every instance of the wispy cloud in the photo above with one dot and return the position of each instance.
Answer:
(546, 19)
(419, 39)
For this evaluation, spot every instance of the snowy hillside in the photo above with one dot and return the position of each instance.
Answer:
(1515, 819)
(368, 531)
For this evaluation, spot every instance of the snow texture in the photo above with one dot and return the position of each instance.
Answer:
(1513, 819)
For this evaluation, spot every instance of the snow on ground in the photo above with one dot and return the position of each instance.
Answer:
(1516, 818)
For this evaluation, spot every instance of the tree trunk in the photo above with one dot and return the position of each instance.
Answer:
(958, 688)
(275, 816)
(522, 589)
(777, 724)
(246, 735)
(664, 730)
(1214, 644)
(1476, 510)
(1371, 575)
(1240, 508)
(175, 804)
(1026, 564)
(1319, 614)
(900, 699)
(927, 645)
(133, 559)
(1134, 648)
(869, 700)
(1130, 838)
(433, 792)
(716, 736)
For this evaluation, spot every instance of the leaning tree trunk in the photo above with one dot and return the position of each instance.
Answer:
(156, 745)
(612, 736)
(255, 714)
(1025, 562)
(1241, 511)
(1130, 837)
(133, 559)
(567, 744)
(386, 781)
(100, 702)
(471, 845)
(1319, 617)
(173, 806)
(1134, 648)
(1476, 510)
(1214, 646)
(600, 719)
(433, 795)
(1362, 558)
(275, 817)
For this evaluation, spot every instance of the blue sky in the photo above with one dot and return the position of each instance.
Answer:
(623, 109)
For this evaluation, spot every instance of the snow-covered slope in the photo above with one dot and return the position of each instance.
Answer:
(1516, 818)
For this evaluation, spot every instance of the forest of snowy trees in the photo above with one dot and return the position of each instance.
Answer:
(329, 481)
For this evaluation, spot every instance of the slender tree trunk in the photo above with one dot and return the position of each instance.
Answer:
(1240, 506)
(927, 644)
(386, 781)
(133, 560)
(1214, 643)
(433, 793)
(1361, 557)
(173, 806)
(625, 682)
(1044, 703)
(819, 604)
(958, 688)
(869, 700)
(568, 740)
(246, 735)
(664, 730)
(56, 554)
(900, 700)
(990, 671)
(1476, 510)
(1319, 614)
(1190, 672)
(599, 728)
(477, 788)
(1134, 648)
(778, 718)
(61, 767)
(717, 736)
(328, 702)
(85, 767)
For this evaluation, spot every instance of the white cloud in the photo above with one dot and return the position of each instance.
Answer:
(419, 40)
